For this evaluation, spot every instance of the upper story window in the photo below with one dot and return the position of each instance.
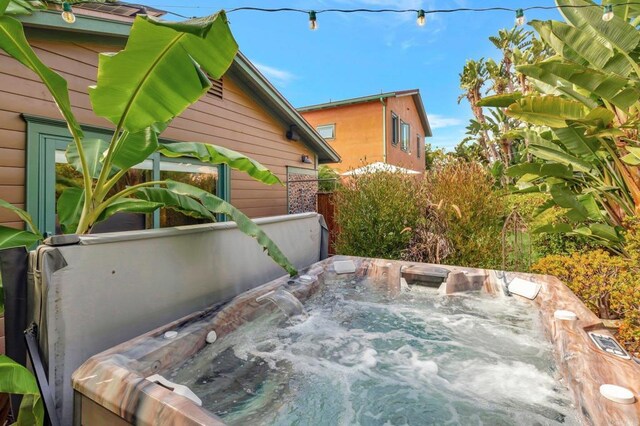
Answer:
(327, 131)
(395, 129)
(405, 131)
(418, 145)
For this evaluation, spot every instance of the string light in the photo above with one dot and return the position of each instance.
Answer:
(421, 18)
(67, 13)
(520, 19)
(313, 22)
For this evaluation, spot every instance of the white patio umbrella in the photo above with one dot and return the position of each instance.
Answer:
(379, 167)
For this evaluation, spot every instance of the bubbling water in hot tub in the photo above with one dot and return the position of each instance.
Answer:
(360, 358)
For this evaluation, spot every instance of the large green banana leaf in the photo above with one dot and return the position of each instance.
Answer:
(558, 45)
(214, 154)
(633, 157)
(616, 32)
(69, 208)
(16, 379)
(551, 111)
(158, 74)
(93, 152)
(556, 154)
(11, 237)
(131, 205)
(575, 142)
(23, 215)
(614, 89)
(500, 101)
(580, 47)
(171, 200)
(14, 42)
(560, 84)
(246, 225)
(538, 170)
(134, 148)
(20, 7)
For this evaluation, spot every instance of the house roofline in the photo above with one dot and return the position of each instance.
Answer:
(415, 93)
(241, 67)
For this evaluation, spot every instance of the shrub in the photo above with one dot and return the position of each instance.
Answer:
(375, 213)
(328, 179)
(596, 277)
(608, 285)
(429, 243)
(544, 244)
(474, 212)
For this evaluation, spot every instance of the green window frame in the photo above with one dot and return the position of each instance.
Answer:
(46, 136)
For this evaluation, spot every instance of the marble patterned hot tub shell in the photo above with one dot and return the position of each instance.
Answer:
(112, 387)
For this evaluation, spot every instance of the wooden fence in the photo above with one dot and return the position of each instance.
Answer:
(326, 207)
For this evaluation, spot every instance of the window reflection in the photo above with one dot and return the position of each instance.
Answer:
(203, 177)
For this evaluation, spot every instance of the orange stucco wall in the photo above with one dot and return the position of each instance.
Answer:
(358, 132)
(405, 108)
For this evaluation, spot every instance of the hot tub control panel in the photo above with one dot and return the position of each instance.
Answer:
(608, 344)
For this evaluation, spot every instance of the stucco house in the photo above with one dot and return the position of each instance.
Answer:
(388, 127)
(241, 111)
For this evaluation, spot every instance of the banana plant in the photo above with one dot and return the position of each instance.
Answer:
(16, 379)
(164, 68)
(584, 119)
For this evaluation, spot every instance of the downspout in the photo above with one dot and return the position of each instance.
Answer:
(384, 130)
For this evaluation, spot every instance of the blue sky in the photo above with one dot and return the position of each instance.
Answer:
(357, 55)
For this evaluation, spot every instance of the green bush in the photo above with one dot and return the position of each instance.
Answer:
(474, 212)
(328, 179)
(543, 244)
(608, 285)
(376, 212)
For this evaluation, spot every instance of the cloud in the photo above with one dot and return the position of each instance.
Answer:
(440, 121)
(276, 75)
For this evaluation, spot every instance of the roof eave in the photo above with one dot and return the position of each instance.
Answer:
(244, 69)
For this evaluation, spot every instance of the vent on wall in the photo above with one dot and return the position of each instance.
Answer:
(216, 88)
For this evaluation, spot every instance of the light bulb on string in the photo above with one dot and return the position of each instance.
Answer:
(313, 22)
(422, 19)
(520, 19)
(607, 15)
(67, 13)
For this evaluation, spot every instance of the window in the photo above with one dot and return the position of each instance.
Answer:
(201, 176)
(406, 130)
(49, 174)
(418, 145)
(395, 132)
(327, 131)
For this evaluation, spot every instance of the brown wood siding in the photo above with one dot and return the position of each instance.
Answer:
(237, 122)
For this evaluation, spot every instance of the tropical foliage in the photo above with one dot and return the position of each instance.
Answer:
(164, 68)
(16, 379)
(576, 112)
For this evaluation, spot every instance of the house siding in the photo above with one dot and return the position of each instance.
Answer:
(358, 136)
(237, 122)
(405, 108)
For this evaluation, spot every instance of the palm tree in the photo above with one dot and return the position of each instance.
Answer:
(472, 79)
(509, 42)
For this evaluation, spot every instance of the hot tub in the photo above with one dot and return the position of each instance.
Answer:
(386, 342)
